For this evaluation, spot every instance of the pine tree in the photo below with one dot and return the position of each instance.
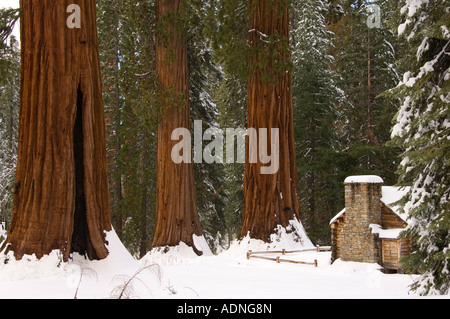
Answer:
(9, 122)
(109, 46)
(422, 129)
(138, 126)
(231, 98)
(126, 32)
(315, 95)
(227, 27)
(204, 76)
(364, 59)
(132, 98)
(8, 19)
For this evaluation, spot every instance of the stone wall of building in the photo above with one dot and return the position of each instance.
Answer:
(362, 208)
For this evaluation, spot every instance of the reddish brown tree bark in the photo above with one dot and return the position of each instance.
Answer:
(271, 199)
(176, 216)
(61, 199)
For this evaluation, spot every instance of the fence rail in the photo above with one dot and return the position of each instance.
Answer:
(253, 254)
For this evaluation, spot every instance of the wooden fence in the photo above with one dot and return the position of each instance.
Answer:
(254, 254)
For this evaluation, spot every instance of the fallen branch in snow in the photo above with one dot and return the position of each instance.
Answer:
(124, 290)
(81, 277)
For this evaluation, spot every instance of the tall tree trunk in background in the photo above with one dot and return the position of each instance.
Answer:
(143, 235)
(118, 218)
(176, 216)
(270, 200)
(370, 131)
(61, 199)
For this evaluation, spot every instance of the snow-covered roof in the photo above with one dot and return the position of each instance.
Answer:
(393, 233)
(363, 179)
(337, 216)
(389, 195)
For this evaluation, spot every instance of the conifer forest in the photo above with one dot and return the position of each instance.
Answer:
(187, 121)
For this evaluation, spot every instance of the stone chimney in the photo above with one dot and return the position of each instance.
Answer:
(362, 208)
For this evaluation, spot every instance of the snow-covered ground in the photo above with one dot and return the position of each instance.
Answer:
(181, 274)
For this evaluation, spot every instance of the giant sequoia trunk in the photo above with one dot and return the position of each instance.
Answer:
(271, 199)
(61, 191)
(177, 217)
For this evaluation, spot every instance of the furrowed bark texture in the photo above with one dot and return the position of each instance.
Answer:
(177, 216)
(270, 200)
(61, 199)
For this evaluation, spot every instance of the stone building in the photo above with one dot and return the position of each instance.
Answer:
(368, 228)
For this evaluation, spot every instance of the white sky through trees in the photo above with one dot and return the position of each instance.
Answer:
(12, 4)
